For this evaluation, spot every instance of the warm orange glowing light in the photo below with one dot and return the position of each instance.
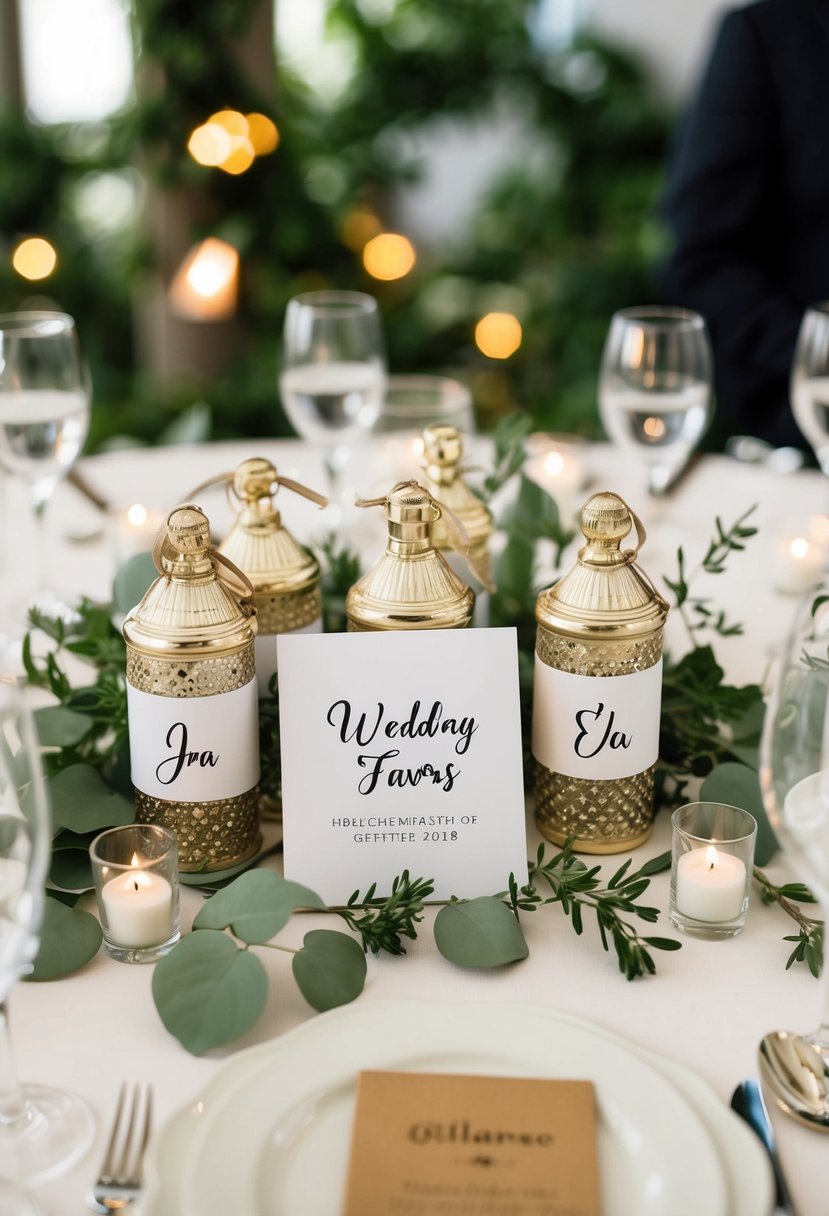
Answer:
(232, 121)
(654, 428)
(241, 156)
(554, 464)
(389, 256)
(206, 284)
(210, 144)
(262, 134)
(34, 258)
(498, 335)
(359, 227)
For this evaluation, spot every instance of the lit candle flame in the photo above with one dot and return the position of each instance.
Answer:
(554, 464)
(799, 547)
(711, 857)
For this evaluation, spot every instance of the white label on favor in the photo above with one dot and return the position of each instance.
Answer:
(266, 653)
(596, 727)
(194, 749)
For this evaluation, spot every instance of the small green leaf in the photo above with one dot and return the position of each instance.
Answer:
(131, 582)
(83, 803)
(330, 969)
(59, 727)
(739, 785)
(207, 991)
(68, 940)
(657, 864)
(255, 906)
(479, 932)
(71, 869)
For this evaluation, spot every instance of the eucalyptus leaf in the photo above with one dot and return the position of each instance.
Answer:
(68, 939)
(82, 802)
(193, 425)
(208, 992)
(60, 727)
(739, 785)
(330, 969)
(131, 582)
(71, 869)
(255, 906)
(479, 932)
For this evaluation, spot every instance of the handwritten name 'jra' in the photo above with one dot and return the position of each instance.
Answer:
(414, 726)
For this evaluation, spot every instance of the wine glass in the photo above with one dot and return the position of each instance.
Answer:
(44, 410)
(43, 1131)
(655, 387)
(794, 766)
(333, 371)
(810, 381)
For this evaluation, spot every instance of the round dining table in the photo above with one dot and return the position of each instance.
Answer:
(709, 1003)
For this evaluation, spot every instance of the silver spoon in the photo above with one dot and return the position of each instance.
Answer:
(797, 1076)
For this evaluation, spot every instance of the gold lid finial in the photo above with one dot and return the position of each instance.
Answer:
(254, 479)
(442, 445)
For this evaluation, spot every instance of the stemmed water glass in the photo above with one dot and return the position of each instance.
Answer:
(794, 765)
(810, 381)
(655, 387)
(333, 371)
(43, 1130)
(44, 409)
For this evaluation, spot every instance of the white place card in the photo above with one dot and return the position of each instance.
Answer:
(402, 751)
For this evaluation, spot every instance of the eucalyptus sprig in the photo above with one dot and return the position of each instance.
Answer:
(809, 937)
(382, 921)
(696, 611)
(509, 439)
(577, 887)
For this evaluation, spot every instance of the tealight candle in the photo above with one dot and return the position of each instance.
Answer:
(139, 907)
(135, 530)
(800, 554)
(710, 884)
(712, 862)
(136, 884)
(556, 463)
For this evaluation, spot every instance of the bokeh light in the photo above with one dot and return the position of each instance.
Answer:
(389, 256)
(232, 121)
(262, 134)
(34, 258)
(358, 227)
(210, 144)
(498, 335)
(206, 285)
(241, 156)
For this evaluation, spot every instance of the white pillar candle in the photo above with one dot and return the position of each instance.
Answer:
(139, 908)
(710, 885)
(799, 562)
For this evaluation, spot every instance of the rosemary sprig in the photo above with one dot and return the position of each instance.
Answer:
(577, 887)
(387, 919)
(809, 938)
(694, 610)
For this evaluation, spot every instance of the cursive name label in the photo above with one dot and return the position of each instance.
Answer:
(194, 749)
(401, 751)
(598, 728)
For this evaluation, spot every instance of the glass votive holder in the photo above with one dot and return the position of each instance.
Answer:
(135, 869)
(712, 861)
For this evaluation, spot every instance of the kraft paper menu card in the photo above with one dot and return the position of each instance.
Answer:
(444, 1145)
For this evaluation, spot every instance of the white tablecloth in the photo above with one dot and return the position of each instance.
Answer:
(708, 1005)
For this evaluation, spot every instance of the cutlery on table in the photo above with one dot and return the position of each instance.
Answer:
(747, 1102)
(121, 1178)
(797, 1076)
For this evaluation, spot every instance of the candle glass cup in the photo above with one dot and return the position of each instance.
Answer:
(712, 860)
(135, 869)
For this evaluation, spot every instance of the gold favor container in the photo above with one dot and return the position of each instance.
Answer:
(412, 586)
(192, 702)
(597, 690)
(285, 576)
(442, 456)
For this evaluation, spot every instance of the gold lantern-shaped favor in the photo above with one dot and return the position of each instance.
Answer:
(284, 575)
(442, 456)
(412, 586)
(598, 687)
(192, 700)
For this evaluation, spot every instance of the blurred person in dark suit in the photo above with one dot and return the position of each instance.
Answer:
(747, 205)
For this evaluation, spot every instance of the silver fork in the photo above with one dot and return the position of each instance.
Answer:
(121, 1176)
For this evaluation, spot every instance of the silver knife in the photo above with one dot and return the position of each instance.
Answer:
(747, 1102)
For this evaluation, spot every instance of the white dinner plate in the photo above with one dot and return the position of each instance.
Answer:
(269, 1135)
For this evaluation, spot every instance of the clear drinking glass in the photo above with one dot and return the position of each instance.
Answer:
(333, 371)
(43, 1131)
(810, 381)
(794, 766)
(655, 387)
(44, 409)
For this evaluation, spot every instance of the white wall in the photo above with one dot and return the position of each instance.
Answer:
(672, 35)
